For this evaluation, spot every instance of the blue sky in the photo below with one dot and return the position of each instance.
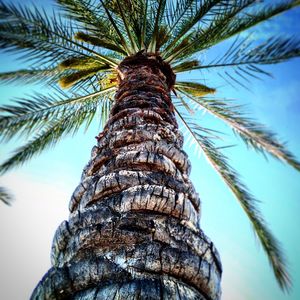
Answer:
(43, 187)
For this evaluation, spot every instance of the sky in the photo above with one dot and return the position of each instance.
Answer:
(42, 187)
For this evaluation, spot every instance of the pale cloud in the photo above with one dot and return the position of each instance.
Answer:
(26, 231)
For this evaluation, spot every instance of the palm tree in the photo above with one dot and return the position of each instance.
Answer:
(133, 230)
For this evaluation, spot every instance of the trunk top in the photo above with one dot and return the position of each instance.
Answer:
(154, 61)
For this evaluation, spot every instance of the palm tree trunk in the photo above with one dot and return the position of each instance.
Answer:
(133, 230)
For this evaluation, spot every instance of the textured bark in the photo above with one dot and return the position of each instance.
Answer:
(133, 230)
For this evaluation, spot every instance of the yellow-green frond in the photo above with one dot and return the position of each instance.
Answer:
(185, 66)
(70, 79)
(194, 89)
(79, 63)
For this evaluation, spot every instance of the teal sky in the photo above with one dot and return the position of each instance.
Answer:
(43, 186)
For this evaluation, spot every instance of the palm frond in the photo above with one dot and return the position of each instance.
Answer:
(43, 39)
(30, 115)
(5, 196)
(244, 57)
(195, 14)
(49, 137)
(253, 134)
(61, 126)
(184, 103)
(28, 76)
(135, 19)
(130, 33)
(81, 11)
(196, 39)
(233, 20)
(178, 10)
(89, 16)
(158, 19)
(178, 49)
(121, 36)
(256, 16)
(219, 162)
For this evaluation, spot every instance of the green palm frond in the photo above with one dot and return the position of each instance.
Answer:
(130, 33)
(94, 21)
(5, 196)
(253, 134)
(27, 76)
(135, 18)
(44, 39)
(31, 115)
(190, 18)
(161, 5)
(233, 20)
(243, 57)
(56, 128)
(184, 103)
(113, 21)
(48, 137)
(219, 162)
(178, 10)
(148, 21)
(177, 50)
(81, 11)
(256, 16)
(195, 39)
(89, 16)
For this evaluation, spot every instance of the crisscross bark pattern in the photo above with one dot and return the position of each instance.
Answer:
(133, 230)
